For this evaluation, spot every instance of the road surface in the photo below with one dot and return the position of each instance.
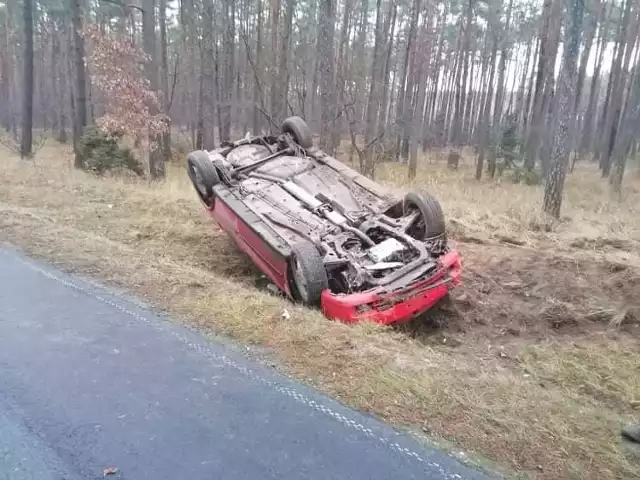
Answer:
(90, 380)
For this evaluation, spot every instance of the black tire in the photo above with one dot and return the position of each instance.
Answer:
(308, 275)
(203, 175)
(299, 130)
(431, 222)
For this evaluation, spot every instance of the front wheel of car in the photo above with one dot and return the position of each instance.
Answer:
(429, 223)
(299, 130)
(308, 275)
(203, 175)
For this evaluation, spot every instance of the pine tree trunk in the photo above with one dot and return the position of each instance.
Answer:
(401, 114)
(629, 127)
(466, 119)
(527, 109)
(166, 137)
(275, 48)
(409, 97)
(156, 161)
(554, 184)
(26, 133)
(436, 127)
(461, 78)
(80, 100)
(496, 124)
(327, 84)
(283, 90)
(630, 28)
(341, 74)
(485, 130)
(54, 77)
(207, 80)
(360, 57)
(605, 116)
(389, 33)
(257, 94)
(545, 64)
(6, 73)
(587, 143)
(228, 77)
(422, 74)
(373, 102)
(64, 88)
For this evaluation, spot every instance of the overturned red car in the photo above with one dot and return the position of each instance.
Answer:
(323, 233)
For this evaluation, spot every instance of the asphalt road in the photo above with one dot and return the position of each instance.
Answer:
(90, 380)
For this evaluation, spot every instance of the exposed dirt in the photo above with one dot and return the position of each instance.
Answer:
(536, 294)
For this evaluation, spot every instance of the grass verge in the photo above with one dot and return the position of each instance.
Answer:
(532, 367)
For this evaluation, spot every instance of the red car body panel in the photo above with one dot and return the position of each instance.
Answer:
(397, 306)
(271, 263)
(376, 305)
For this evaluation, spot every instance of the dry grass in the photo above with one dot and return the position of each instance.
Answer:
(527, 369)
(502, 208)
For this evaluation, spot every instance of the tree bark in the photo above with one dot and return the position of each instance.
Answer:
(229, 70)
(6, 72)
(156, 161)
(384, 107)
(26, 133)
(461, 77)
(497, 109)
(404, 111)
(257, 92)
(527, 110)
(166, 136)
(283, 75)
(63, 91)
(342, 70)
(373, 101)
(545, 63)
(554, 184)
(486, 111)
(630, 28)
(80, 100)
(587, 142)
(422, 74)
(360, 59)
(327, 71)
(616, 65)
(207, 78)
(275, 48)
(628, 131)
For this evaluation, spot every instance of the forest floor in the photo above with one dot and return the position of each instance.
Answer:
(535, 364)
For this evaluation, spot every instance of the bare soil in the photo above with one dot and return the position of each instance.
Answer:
(533, 363)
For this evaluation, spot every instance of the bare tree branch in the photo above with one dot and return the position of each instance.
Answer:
(268, 117)
(123, 5)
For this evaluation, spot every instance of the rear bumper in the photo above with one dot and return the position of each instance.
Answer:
(400, 305)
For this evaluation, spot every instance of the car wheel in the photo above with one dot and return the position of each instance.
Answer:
(299, 130)
(203, 175)
(308, 275)
(430, 221)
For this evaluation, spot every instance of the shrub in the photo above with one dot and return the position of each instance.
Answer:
(528, 177)
(102, 153)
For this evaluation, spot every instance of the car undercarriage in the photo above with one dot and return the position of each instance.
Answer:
(345, 233)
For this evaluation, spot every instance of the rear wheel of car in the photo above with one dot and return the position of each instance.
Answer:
(308, 275)
(203, 175)
(429, 222)
(299, 130)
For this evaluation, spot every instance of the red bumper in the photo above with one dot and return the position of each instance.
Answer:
(400, 305)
